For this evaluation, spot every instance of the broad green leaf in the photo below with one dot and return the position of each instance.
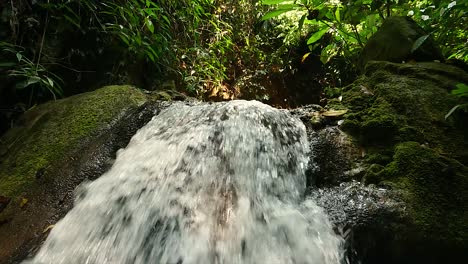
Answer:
(316, 36)
(19, 56)
(273, 2)
(328, 53)
(337, 14)
(276, 13)
(419, 42)
(149, 25)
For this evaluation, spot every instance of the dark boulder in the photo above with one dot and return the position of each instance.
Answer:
(396, 41)
(396, 116)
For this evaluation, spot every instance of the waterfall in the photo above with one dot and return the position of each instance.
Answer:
(208, 183)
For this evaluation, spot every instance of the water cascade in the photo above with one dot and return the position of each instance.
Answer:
(209, 183)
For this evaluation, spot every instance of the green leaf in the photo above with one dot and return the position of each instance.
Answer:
(419, 42)
(462, 90)
(276, 13)
(149, 25)
(273, 2)
(337, 14)
(301, 22)
(19, 56)
(451, 111)
(316, 36)
(26, 83)
(50, 82)
(328, 53)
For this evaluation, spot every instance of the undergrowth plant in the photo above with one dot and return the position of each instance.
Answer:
(462, 92)
(351, 23)
(27, 73)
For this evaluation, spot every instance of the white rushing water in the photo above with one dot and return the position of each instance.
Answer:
(213, 183)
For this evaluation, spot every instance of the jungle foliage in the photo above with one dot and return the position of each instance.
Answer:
(349, 24)
(191, 45)
(52, 49)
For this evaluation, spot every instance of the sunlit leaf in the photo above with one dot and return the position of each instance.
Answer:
(305, 57)
(316, 36)
(149, 25)
(328, 53)
(273, 2)
(276, 13)
(462, 90)
(337, 14)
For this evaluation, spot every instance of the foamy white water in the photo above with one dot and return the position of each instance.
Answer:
(218, 183)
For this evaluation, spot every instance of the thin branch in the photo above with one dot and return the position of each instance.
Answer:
(388, 8)
(43, 38)
(358, 38)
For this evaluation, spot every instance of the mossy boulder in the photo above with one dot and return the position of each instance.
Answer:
(397, 40)
(53, 148)
(437, 188)
(47, 132)
(397, 115)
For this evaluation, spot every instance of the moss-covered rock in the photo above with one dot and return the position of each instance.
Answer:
(48, 132)
(52, 149)
(436, 188)
(395, 41)
(407, 102)
(397, 114)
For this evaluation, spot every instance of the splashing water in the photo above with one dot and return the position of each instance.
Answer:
(218, 183)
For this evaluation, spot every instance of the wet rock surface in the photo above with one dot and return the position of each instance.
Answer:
(360, 213)
(386, 166)
(29, 209)
(406, 146)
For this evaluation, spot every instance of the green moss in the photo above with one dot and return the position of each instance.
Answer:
(397, 114)
(379, 122)
(379, 155)
(436, 189)
(331, 92)
(373, 174)
(373, 119)
(49, 132)
(406, 102)
(335, 104)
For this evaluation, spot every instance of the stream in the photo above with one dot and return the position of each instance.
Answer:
(212, 183)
